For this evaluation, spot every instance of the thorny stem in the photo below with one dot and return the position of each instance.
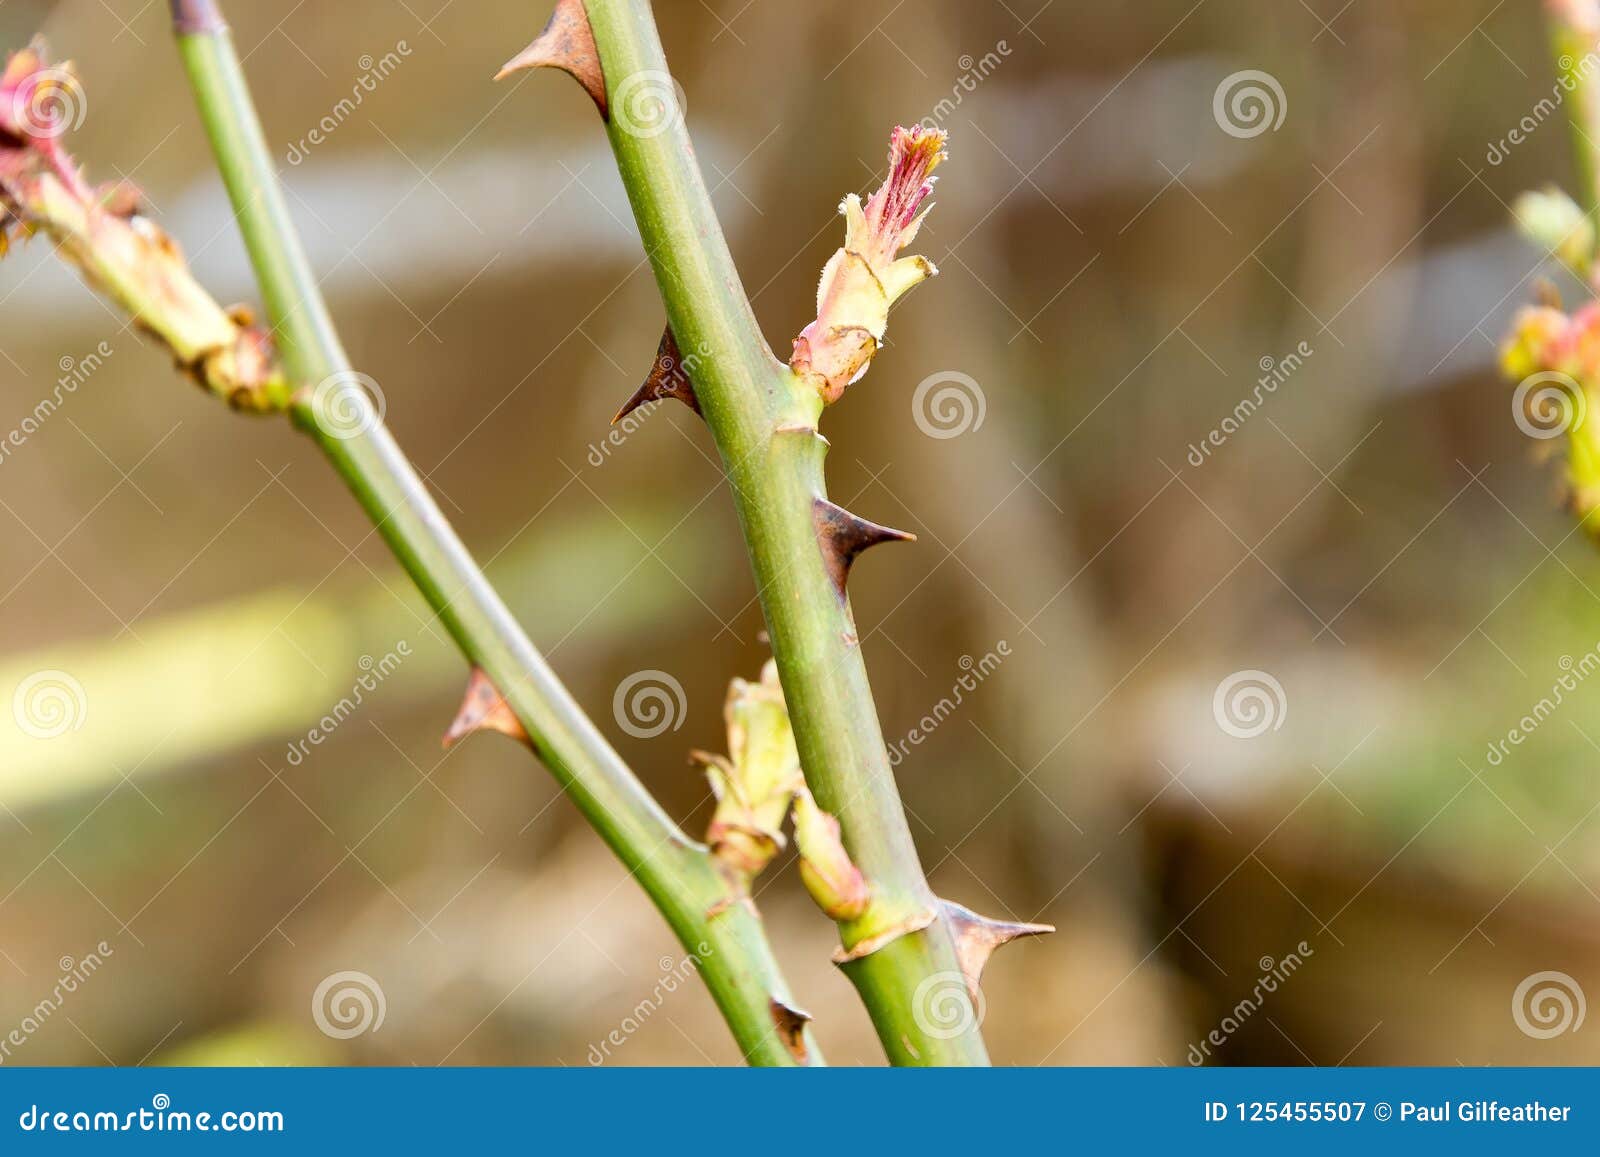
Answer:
(734, 956)
(764, 423)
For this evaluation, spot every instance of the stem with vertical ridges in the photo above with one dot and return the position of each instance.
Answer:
(764, 422)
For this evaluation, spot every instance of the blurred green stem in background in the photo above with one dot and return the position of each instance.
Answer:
(257, 667)
(1575, 34)
(333, 406)
(901, 952)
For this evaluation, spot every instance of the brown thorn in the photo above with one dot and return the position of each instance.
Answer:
(668, 379)
(567, 43)
(791, 1025)
(483, 708)
(843, 535)
(977, 937)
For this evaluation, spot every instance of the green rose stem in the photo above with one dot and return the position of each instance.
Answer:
(900, 952)
(735, 958)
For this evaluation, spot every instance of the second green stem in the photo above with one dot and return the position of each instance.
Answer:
(902, 954)
(727, 938)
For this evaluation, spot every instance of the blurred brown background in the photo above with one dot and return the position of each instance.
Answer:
(1373, 562)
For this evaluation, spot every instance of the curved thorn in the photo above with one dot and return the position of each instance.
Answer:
(668, 379)
(977, 937)
(483, 708)
(567, 43)
(843, 535)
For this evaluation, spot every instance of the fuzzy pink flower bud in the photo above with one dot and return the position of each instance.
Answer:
(865, 277)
